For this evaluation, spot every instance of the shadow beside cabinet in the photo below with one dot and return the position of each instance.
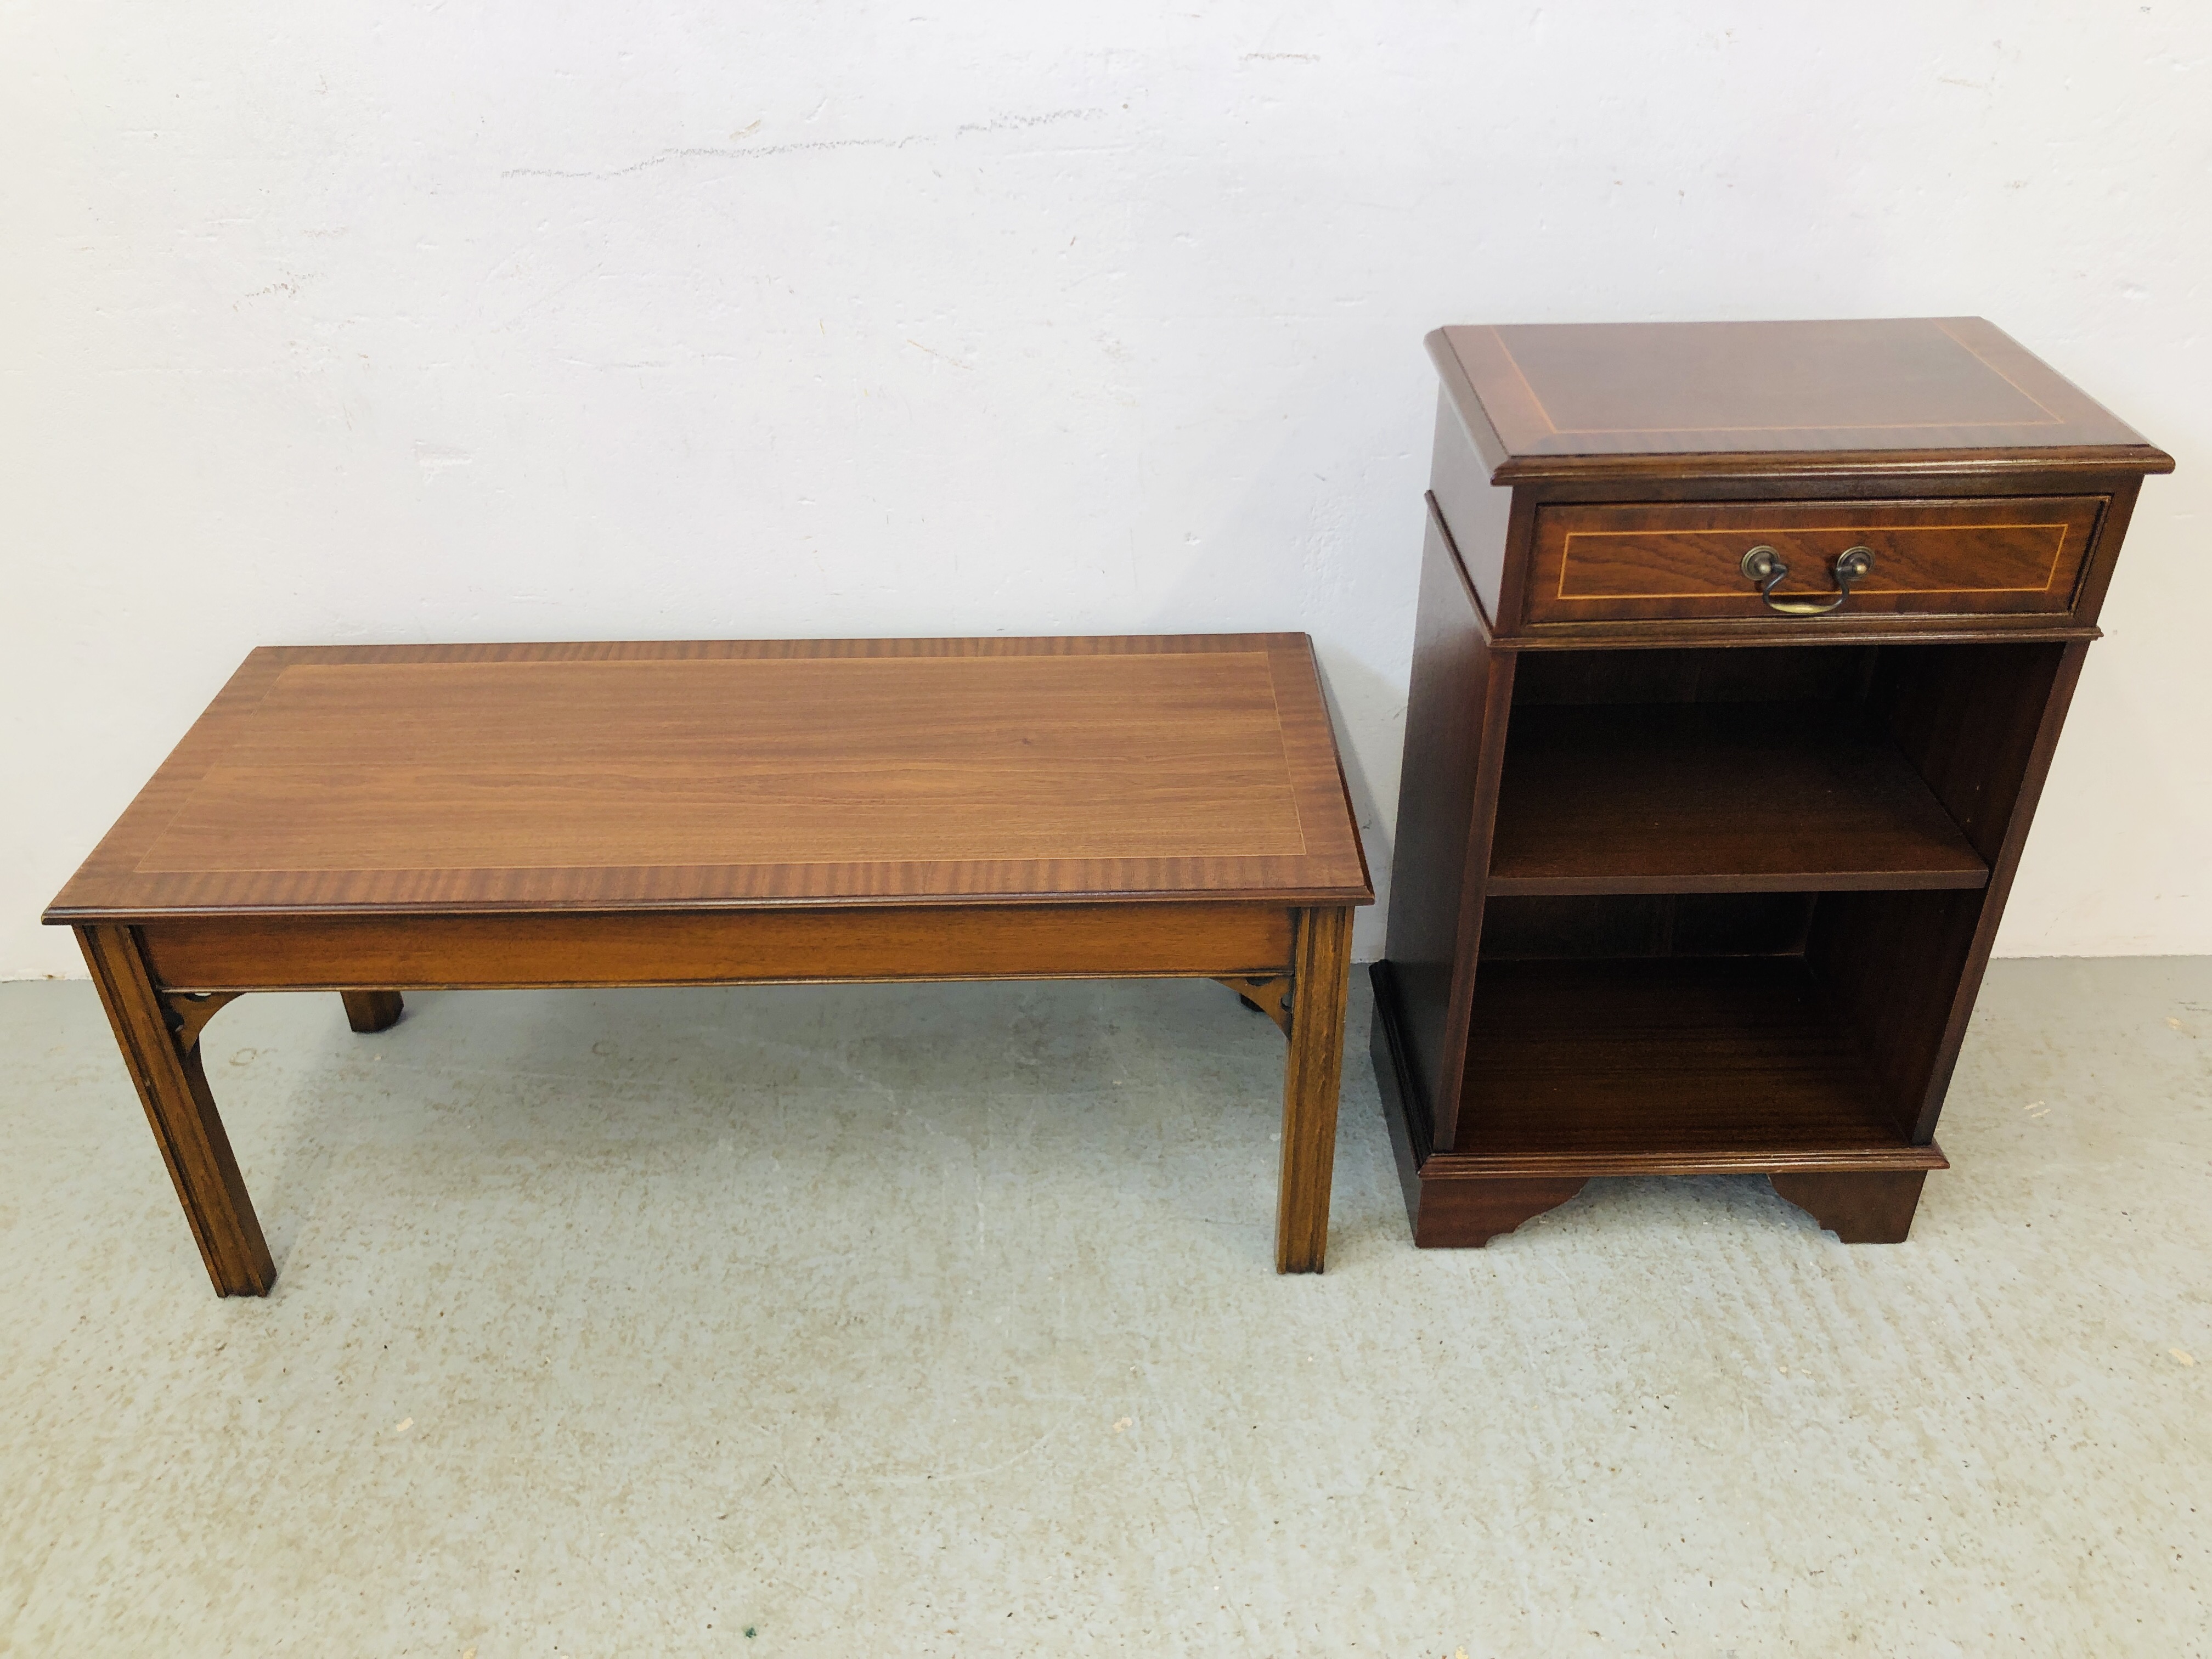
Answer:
(1711, 888)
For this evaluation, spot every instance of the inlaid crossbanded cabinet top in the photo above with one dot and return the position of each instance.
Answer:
(609, 776)
(1567, 400)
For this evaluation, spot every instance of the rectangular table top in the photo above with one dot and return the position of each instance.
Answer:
(613, 776)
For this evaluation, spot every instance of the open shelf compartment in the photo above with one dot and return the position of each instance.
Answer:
(1804, 769)
(1671, 1068)
(1777, 796)
(1683, 1034)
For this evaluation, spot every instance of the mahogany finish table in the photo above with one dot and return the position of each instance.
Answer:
(376, 819)
(1742, 650)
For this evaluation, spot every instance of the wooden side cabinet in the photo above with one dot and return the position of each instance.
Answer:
(1742, 650)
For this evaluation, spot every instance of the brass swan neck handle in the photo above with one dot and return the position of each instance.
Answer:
(1764, 566)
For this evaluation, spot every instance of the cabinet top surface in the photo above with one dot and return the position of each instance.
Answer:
(453, 779)
(1542, 397)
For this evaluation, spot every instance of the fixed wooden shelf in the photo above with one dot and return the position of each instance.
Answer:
(1729, 797)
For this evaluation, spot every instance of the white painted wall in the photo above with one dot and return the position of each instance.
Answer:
(387, 321)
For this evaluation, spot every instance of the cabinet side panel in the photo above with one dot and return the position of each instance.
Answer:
(1442, 850)
(2046, 691)
(1969, 717)
(1476, 512)
(1980, 723)
(1893, 962)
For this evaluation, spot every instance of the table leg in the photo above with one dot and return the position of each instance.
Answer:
(163, 1056)
(372, 1011)
(1320, 971)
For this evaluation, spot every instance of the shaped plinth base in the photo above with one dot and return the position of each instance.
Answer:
(1468, 1214)
(1873, 1207)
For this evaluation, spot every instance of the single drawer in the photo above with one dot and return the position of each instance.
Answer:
(1621, 563)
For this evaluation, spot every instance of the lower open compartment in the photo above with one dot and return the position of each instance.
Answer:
(1792, 1035)
(1678, 1033)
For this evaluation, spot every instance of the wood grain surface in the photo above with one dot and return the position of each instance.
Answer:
(369, 1011)
(1714, 799)
(613, 776)
(1600, 1118)
(1468, 1214)
(1459, 697)
(725, 946)
(1669, 561)
(173, 1087)
(1564, 400)
(1858, 1207)
(1668, 1067)
(1485, 537)
(1321, 975)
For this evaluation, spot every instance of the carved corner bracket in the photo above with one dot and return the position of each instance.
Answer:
(1270, 995)
(187, 1013)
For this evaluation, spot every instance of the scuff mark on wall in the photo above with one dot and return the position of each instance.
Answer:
(754, 152)
(435, 458)
(287, 288)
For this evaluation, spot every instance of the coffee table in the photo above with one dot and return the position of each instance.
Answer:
(376, 819)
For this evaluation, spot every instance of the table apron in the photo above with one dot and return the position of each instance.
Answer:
(719, 947)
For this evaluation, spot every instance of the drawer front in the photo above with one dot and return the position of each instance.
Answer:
(1620, 563)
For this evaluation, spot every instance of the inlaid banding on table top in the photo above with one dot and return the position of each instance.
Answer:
(689, 774)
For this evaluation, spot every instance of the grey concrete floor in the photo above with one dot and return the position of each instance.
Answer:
(940, 1319)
